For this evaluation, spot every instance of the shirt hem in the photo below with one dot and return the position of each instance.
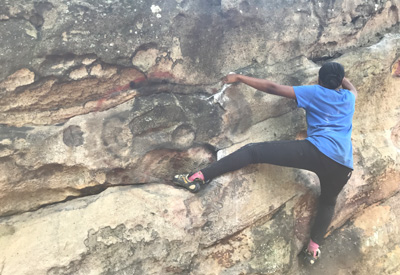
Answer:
(345, 165)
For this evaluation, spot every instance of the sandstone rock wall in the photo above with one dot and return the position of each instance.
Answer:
(85, 160)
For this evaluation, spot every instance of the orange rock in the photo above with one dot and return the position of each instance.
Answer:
(396, 69)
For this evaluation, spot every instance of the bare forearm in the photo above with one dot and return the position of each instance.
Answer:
(262, 85)
(268, 86)
(257, 83)
(346, 84)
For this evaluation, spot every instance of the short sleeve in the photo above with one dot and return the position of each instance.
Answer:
(304, 94)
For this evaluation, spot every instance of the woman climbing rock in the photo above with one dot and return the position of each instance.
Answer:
(327, 150)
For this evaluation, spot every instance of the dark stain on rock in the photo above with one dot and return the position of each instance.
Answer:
(206, 118)
(203, 42)
(42, 7)
(12, 133)
(73, 136)
(160, 117)
(36, 20)
(114, 134)
(162, 111)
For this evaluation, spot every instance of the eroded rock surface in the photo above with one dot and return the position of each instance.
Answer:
(74, 130)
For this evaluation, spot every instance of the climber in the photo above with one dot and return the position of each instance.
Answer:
(327, 150)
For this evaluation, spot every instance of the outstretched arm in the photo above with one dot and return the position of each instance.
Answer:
(346, 84)
(262, 85)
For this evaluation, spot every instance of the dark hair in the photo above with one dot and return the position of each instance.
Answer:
(331, 75)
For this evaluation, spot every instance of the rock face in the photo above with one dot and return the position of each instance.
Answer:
(86, 157)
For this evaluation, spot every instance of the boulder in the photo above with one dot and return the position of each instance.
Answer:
(102, 102)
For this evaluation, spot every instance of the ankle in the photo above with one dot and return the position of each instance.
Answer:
(197, 175)
(312, 247)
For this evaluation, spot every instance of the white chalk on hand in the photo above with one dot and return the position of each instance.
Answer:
(218, 96)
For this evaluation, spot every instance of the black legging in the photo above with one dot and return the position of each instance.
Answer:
(297, 154)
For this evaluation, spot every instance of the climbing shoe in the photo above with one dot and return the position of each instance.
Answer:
(183, 181)
(311, 257)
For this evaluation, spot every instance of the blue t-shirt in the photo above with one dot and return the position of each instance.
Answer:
(329, 115)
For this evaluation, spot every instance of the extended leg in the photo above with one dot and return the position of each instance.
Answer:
(332, 179)
(297, 153)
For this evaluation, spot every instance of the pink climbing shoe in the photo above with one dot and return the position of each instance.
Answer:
(311, 257)
(312, 252)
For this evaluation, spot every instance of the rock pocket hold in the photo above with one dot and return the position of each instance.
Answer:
(73, 136)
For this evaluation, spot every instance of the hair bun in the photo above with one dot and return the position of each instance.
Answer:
(331, 75)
